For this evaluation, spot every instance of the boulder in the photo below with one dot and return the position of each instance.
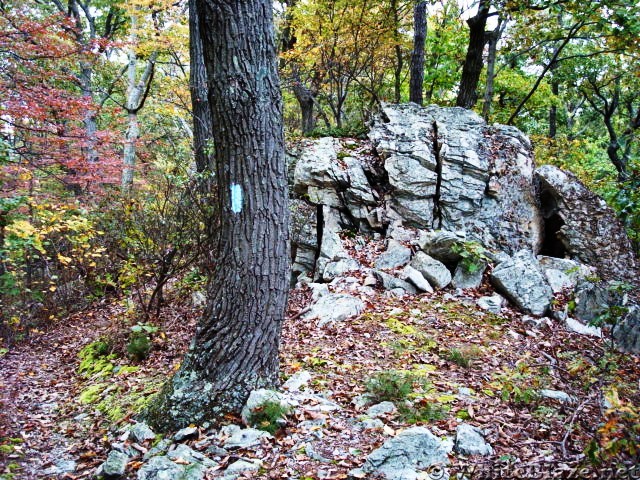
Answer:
(449, 170)
(61, 467)
(493, 303)
(297, 381)
(381, 409)
(441, 244)
(257, 398)
(396, 255)
(115, 464)
(141, 432)
(185, 433)
(337, 269)
(414, 277)
(246, 438)
(562, 273)
(433, 270)
(389, 282)
(562, 397)
(582, 329)
(333, 260)
(470, 441)
(579, 224)
(182, 453)
(626, 333)
(464, 278)
(303, 226)
(593, 299)
(334, 307)
(161, 468)
(239, 466)
(324, 179)
(403, 456)
(521, 280)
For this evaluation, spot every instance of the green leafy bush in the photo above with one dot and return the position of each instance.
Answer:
(424, 411)
(473, 255)
(49, 254)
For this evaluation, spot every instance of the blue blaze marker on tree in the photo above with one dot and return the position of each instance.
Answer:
(236, 198)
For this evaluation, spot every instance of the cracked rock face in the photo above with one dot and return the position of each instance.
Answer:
(449, 170)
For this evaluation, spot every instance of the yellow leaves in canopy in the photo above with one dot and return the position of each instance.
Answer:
(21, 229)
(349, 36)
(64, 260)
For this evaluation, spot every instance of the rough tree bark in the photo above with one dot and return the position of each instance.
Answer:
(472, 68)
(417, 56)
(397, 71)
(202, 123)
(235, 349)
(493, 39)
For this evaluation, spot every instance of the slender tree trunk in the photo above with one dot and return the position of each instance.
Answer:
(553, 110)
(305, 96)
(397, 72)
(235, 349)
(129, 153)
(572, 32)
(202, 123)
(306, 101)
(472, 68)
(493, 39)
(137, 91)
(416, 78)
(90, 123)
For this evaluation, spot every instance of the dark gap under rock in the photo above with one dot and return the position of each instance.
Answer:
(552, 245)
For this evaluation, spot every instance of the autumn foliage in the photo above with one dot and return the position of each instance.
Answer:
(43, 111)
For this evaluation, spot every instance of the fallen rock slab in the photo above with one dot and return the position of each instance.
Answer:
(334, 307)
(521, 280)
(389, 282)
(470, 441)
(627, 332)
(404, 456)
(246, 438)
(396, 255)
(433, 270)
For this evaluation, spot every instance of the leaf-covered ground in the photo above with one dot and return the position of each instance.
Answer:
(461, 364)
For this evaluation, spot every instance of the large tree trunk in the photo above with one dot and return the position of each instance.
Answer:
(417, 56)
(472, 68)
(235, 349)
(202, 123)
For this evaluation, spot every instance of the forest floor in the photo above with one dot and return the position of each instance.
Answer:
(58, 423)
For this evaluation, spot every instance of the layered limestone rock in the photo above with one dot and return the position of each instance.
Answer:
(451, 171)
(441, 185)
